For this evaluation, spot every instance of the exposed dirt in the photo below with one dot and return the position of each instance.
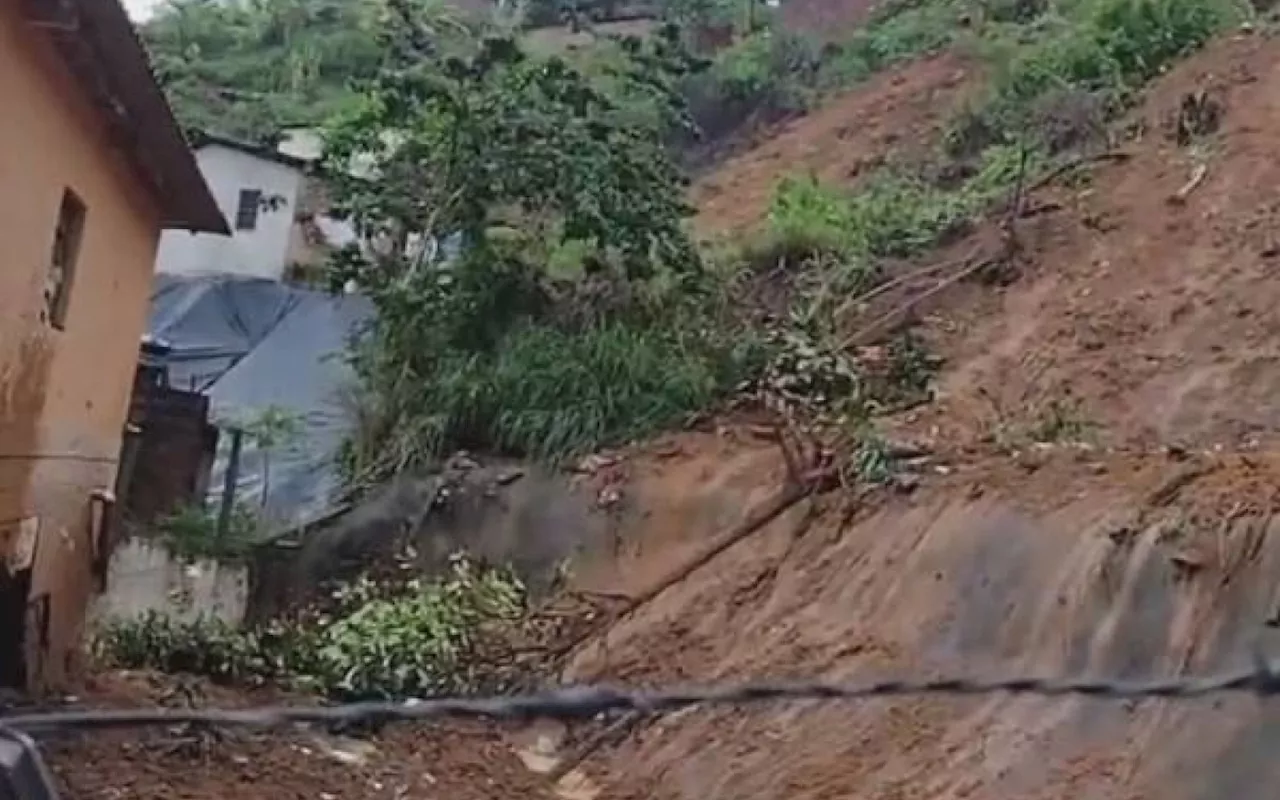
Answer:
(1151, 318)
(894, 115)
(1152, 548)
(447, 760)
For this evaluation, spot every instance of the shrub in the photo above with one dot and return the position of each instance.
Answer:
(423, 638)
(1100, 50)
(191, 533)
(550, 392)
(891, 37)
(889, 215)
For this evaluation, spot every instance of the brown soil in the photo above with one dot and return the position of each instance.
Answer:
(447, 760)
(894, 115)
(1151, 549)
(1121, 557)
(1152, 319)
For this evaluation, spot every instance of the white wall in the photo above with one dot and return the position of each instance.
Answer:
(142, 576)
(258, 253)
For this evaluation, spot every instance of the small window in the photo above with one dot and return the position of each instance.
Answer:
(62, 262)
(247, 211)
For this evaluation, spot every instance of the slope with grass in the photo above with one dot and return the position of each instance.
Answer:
(1091, 488)
(896, 115)
(1117, 520)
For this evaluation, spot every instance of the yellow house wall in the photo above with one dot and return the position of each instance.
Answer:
(64, 394)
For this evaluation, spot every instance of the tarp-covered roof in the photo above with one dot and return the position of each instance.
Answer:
(256, 347)
(212, 322)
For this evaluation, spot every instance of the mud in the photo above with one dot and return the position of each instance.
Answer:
(1089, 579)
(1149, 317)
(894, 115)
(457, 760)
(1151, 548)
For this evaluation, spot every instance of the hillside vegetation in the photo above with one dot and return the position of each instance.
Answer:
(583, 312)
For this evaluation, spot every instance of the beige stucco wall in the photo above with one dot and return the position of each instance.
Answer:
(63, 394)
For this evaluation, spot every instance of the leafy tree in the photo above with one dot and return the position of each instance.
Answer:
(448, 143)
(521, 157)
(250, 67)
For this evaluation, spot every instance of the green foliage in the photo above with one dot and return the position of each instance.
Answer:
(426, 637)
(203, 646)
(250, 67)
(767, 69)
(191, 533)
(458, 142)
(1100, 48)
(808, 376)
(525, 157)
(889, 215)
(897, 33)
(547, 392)
(416, 644)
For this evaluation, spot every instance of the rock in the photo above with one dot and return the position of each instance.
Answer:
(509, 477)
(595, 462)
(906, 482)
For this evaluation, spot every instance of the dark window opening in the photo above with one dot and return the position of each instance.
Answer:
(62, 261)
(247, 210)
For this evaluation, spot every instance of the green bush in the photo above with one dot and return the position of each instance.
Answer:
(421, 639)
(889, 215)
(202, 646)
(895, 35)
(191, 533)
(549, 392)
(1106, 48)
(417, 644)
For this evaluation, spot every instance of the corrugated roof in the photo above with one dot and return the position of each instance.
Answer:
(102, 50)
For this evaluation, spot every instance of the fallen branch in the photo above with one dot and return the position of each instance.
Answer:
(1197, 177)
(880, 289)
(792, 494)
(1062, 169)
(867, 332)
(601, 594)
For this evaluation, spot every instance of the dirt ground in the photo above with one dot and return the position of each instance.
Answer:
(1150, 547)
(893, 115)
(454, 760)
(1145, 304)
(1149, 316)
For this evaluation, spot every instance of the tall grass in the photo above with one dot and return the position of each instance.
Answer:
(550, 392)
(891, 214)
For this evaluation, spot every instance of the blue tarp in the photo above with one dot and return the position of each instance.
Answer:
(257, 347)
(212, 322)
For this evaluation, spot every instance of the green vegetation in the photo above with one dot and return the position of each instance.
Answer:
(579, 312)
(422, 638)
(523, 157)
(1068, 68)
(250, 67)
(191, 533)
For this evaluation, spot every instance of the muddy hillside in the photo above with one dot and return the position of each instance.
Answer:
(1089, 488)
(1147, 300)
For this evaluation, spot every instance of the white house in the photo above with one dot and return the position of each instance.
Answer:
(272, 206)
